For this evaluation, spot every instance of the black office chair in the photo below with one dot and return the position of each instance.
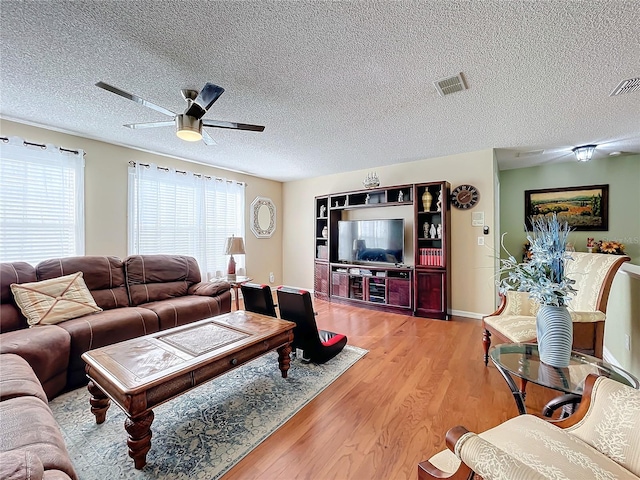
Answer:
(318, 346)
(258, 299)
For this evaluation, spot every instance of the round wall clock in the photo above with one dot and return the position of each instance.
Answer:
(465, 196)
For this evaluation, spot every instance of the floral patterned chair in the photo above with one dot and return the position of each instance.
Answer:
(515, 319)
(600, 441)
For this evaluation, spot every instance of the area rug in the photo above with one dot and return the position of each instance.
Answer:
(202, 433)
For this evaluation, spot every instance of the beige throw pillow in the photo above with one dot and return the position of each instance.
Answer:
(53, 301)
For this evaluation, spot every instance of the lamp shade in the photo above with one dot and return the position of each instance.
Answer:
(584, 153)
(234, 246)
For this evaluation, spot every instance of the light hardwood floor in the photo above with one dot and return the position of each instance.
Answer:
(391, 410)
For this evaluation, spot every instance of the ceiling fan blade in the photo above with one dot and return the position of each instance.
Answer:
(206, 138)
(232, 125)
(207, 96)
(135, 98)
(135, 126)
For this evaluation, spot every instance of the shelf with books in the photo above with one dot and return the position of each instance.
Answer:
(420, 285)
(432, 289)
(430, 257)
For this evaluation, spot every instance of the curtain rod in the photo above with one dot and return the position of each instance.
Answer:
(42, 145)
(184, 172)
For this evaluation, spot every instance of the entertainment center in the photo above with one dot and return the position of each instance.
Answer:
(364, 257)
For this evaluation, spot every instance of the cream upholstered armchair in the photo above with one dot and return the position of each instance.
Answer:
(515, 319)
(600, 441)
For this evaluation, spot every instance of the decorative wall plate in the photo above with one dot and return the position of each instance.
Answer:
(263, 217)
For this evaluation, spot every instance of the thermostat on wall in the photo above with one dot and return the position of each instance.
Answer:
(477, 219)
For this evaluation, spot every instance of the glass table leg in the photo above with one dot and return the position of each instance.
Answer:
(518, 395)
(567, 402)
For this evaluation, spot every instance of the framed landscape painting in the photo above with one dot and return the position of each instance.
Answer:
(584, 208)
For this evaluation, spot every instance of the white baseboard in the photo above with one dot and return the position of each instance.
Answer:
(457, 313)
(608, 357)
(462, 313)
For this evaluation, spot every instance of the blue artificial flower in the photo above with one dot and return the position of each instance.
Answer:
(543, 276)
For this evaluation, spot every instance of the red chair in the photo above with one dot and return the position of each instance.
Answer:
(318, 346)
(258, 299)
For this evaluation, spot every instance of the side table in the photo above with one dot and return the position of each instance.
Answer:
(523, 361)
(235, 283)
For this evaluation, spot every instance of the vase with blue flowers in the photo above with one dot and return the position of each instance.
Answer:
(543, 277)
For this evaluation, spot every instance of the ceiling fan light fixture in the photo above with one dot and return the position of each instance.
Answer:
(584, 152)
(188, 124)
(188, 128)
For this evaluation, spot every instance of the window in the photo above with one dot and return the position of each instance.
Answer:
(182, 213)
(41, 201)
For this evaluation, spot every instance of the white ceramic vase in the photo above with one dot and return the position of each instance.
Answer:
(555, 335)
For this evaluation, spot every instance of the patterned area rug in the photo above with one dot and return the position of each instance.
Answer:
(202, 433)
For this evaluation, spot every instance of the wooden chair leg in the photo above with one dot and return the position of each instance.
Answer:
(486, 342)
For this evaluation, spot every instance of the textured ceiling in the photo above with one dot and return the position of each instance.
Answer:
(339, 85)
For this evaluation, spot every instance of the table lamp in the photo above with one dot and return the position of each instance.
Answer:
(235, 246)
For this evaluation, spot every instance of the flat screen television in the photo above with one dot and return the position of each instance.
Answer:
(371, 241)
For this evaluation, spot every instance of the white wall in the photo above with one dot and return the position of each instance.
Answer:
(106, 196)
(473, 291)
(623, 319)
(289, 253)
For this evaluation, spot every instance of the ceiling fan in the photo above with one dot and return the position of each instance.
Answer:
(188, 124)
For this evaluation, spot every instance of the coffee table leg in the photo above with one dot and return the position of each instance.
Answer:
(99, 402)
(139, 441)
(283, 359)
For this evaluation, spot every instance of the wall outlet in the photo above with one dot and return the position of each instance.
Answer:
(627, 342)
(480, 240)
(272, 277)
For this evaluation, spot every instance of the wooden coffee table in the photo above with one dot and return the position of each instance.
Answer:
(139, 374)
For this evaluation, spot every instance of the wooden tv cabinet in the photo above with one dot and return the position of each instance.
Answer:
(419, 287)
(381, 287)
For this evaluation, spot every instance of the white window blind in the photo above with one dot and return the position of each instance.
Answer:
(41, 201)
(182, 213)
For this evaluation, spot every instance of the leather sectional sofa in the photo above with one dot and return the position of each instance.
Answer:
(142, 294)
(32, 445)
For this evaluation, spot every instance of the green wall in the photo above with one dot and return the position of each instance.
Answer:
(623, 176)
(621, 173)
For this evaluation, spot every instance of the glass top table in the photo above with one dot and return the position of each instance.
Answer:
(236, 282)
(523, 361)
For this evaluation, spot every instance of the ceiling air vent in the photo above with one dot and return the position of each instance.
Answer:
(530, 153)
(449, 85)
(626, 86)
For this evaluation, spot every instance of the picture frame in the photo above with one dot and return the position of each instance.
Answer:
(585, 208)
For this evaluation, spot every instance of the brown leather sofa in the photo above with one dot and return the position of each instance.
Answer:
(31, 445)
(45, 348)
(140, 295)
